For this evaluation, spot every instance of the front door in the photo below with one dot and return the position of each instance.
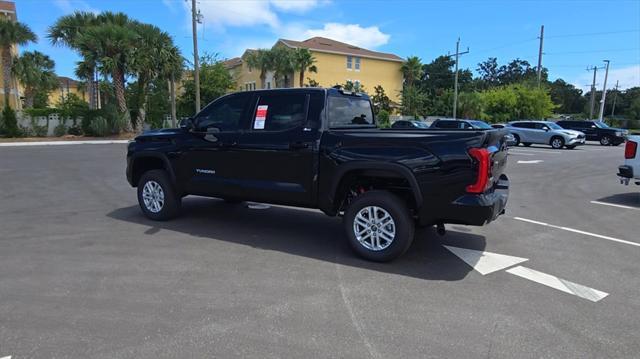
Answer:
(279, 148)
(210, 159)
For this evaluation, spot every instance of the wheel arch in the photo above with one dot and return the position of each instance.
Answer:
(142, 162)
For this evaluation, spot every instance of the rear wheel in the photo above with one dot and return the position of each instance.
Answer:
(379, 226)
(517, 140)
(557, 142)
(605, 140)
(157, 197)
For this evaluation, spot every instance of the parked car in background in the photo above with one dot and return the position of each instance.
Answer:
(631, 168)
(597, 131)
(498, 125)
(408, 124)
(545, 133)
(451, 124)
(460, 124)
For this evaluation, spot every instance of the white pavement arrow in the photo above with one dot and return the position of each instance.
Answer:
(532, 161)
(485, 262)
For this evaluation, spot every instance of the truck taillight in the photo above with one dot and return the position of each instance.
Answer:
(630, 150)
(481, 155)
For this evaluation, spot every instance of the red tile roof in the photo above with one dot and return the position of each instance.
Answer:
(322, 44)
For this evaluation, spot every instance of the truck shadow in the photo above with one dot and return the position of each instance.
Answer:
(625, 199)
(307, 233)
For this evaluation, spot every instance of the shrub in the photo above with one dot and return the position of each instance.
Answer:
(10, 122)
(383, 119)
(99, 127)
(60, 130)
(40, 112)
(75, 130)
(37, 130)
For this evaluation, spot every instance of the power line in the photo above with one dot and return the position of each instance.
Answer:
(593, 51)
(593, 34)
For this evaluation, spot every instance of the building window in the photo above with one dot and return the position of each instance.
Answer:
(357, 67)
(349, 62)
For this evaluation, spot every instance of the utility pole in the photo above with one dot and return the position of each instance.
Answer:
(455, 86)
(195, 19)
(540, 55)
(604, 92)
(615, 97)
(593, 92)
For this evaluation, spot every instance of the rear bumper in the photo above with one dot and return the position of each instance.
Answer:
(477, 209)
(625, 171)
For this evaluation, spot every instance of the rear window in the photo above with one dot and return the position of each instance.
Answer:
(347, 111)
(480, 124)
(447, 124)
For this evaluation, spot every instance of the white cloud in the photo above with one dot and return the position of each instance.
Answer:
(627, 76)
(367, 37)
(295, 5)
(67, 6)
(224, 13)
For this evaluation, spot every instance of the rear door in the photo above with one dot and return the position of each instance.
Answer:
(278, 150)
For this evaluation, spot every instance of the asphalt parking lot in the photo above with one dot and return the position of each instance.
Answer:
(84, 275)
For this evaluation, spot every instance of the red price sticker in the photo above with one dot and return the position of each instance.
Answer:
(261, 116)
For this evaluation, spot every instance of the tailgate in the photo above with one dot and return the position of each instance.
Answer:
(496, 143)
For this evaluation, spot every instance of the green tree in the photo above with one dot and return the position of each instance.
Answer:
(111, 45)
(413, 102)
(263, 60)
(380, 100)
(35, 71)
(215, 81)
(411, 70)
(283, 65)
(11, 33)
(489, 73)
(382, 119)
(303, 60)
(568, 98)
(353, 86)
(470, 105)
(65, 32)
(438, 77)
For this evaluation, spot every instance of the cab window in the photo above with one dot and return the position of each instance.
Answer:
(223, 115)
(280, 112)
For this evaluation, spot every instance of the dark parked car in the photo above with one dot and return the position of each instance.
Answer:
(460, 124)
(320, 148)
(406, 124)
(597, 131)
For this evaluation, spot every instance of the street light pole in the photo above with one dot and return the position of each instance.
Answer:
(455, 85)
(196, 61)
(604, 92)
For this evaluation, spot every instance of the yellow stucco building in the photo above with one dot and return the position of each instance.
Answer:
(336, 63)
(67, 86)
(8, 11)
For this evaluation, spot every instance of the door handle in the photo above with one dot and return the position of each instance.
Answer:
(298, 145)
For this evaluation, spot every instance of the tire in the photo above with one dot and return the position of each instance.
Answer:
(163, 202)
(401, 225)
(571, 147)
(517, 139)
(557, 142)
(526, 144)
(605, 141)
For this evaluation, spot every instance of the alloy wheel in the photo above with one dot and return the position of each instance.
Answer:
(153, 196)
(374, 228)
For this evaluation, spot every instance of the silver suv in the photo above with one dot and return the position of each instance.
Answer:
(545, 133)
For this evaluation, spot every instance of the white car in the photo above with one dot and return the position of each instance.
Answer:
(630, 171)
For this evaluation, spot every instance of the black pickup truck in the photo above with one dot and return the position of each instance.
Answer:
(320, 148)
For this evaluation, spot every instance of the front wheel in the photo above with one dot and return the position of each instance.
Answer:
(557, 143)
(157, 197)
(379, 226)
(605, 140)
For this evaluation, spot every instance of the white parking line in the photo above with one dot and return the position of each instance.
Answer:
(536, 152)
(577, 231)
(614, 205)
(9, 357)
(61, 143)
(560, 284)
(532, 161)
(521, 153)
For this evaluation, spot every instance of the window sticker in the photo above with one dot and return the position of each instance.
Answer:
(261, 116)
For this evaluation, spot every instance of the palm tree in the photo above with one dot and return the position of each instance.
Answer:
(153, 49)
(11, 33)
(412, 70)
(66, 31)
(283, 64)
(111, 46)
(263, 60)
(35, 71)
(303, 60)
(171, 69)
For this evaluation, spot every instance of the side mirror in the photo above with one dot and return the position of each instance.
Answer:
(593, 126)
(187, 123)
(545, 128)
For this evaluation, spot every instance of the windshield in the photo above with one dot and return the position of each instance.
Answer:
(347, 111)
(601, 124)
(480, 124)
(553, 126)
(420, 124)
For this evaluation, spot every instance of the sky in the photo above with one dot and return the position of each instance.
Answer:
(577, 34)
